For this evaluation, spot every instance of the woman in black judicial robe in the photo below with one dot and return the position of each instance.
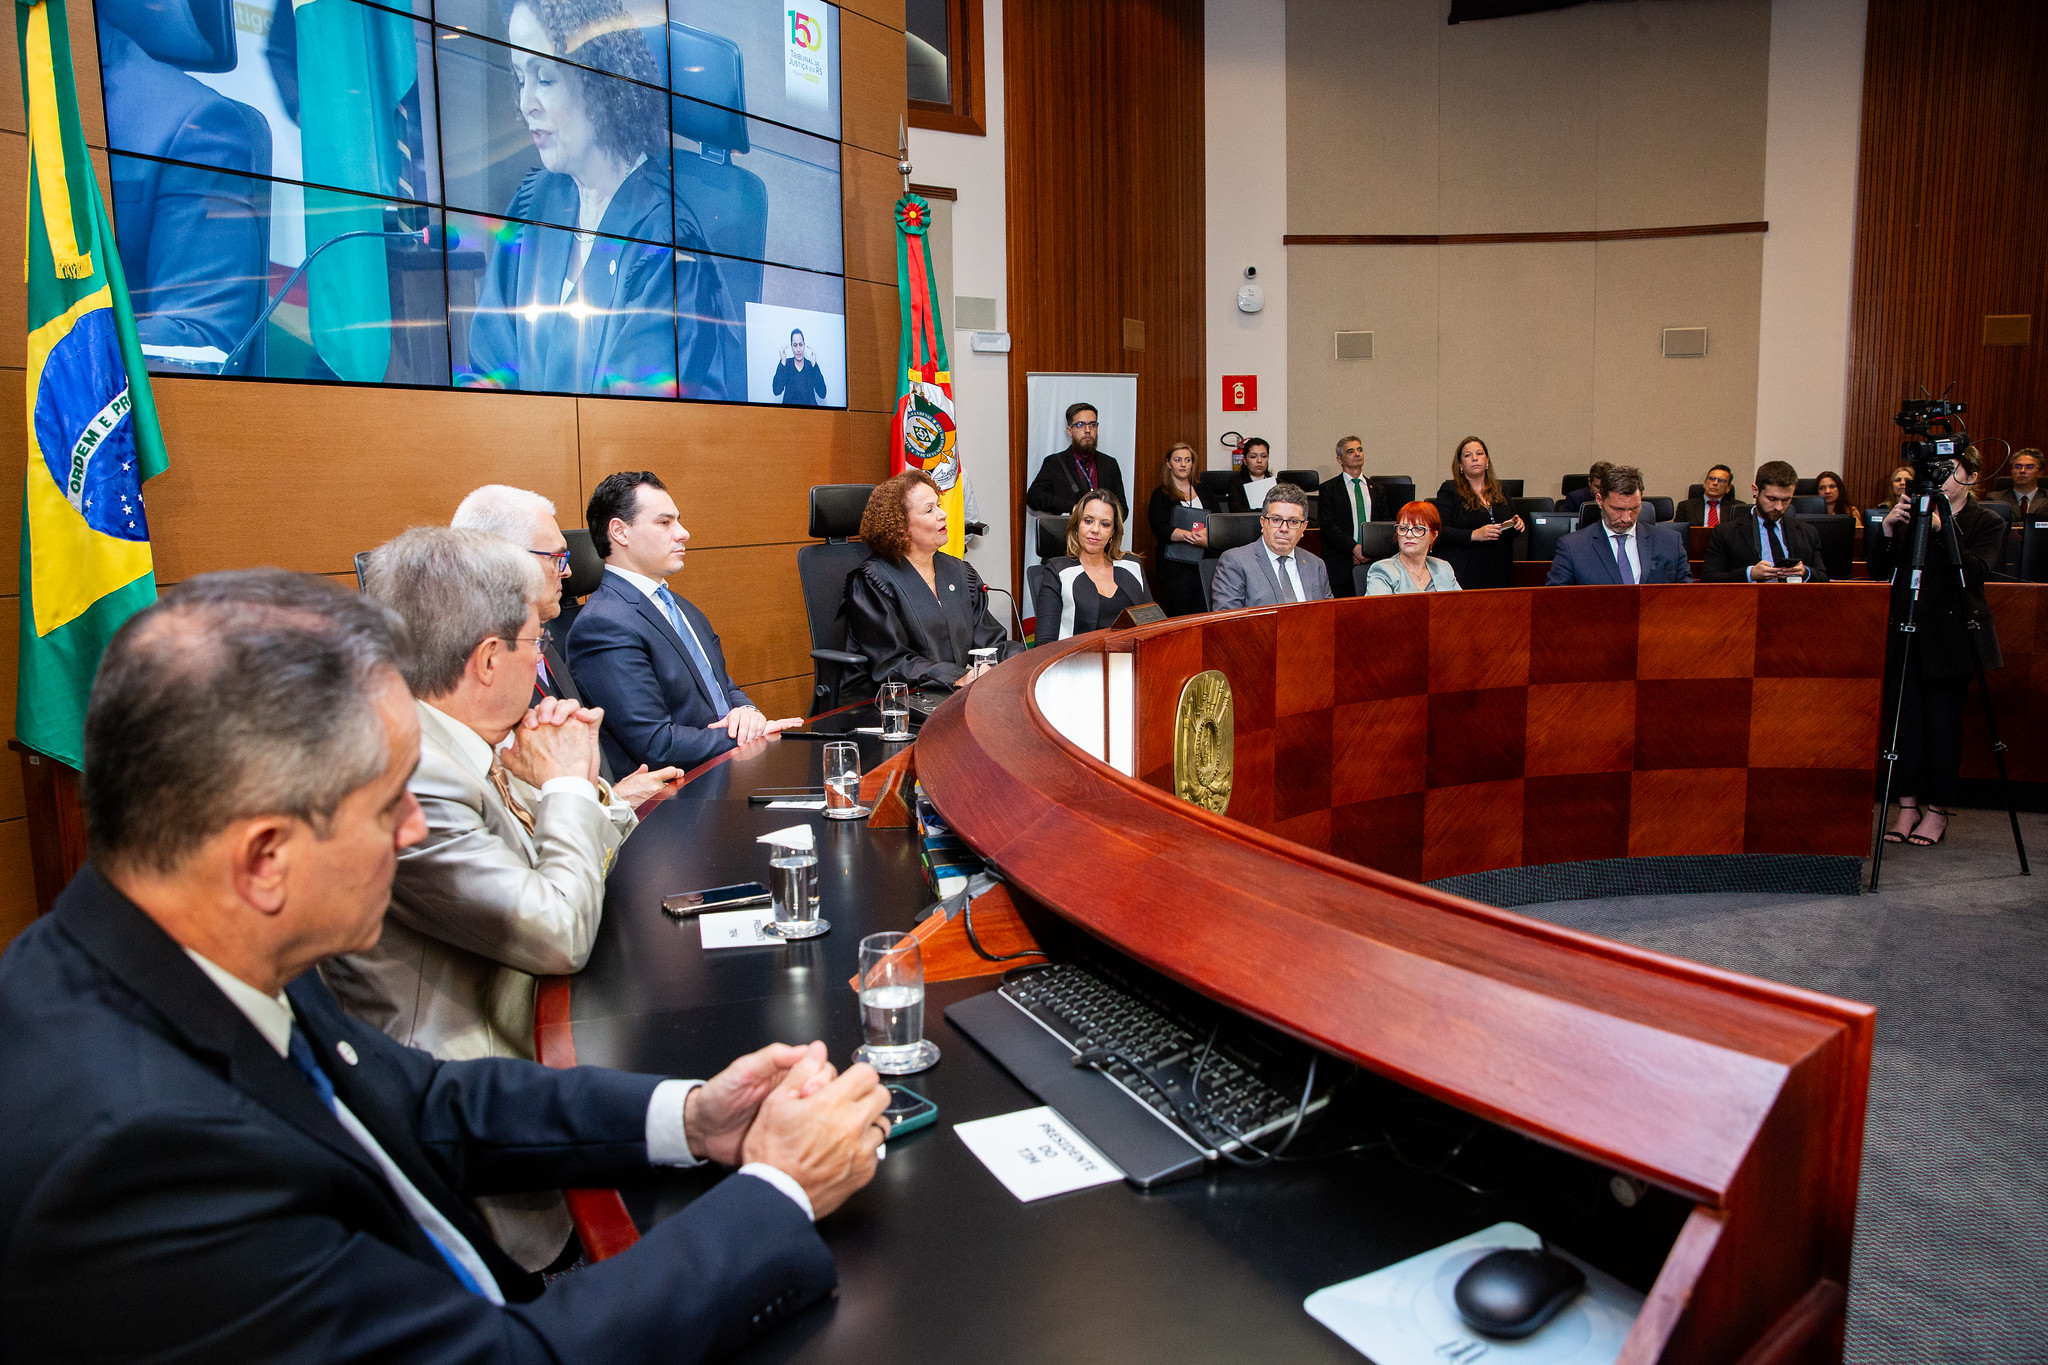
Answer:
(1937, 683)
(1480, 524)
(570, 308)
(912, 611)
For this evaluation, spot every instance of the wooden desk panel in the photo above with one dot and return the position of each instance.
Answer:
(1406, 732)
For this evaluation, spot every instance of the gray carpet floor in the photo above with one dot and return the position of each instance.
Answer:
(1952, 1225)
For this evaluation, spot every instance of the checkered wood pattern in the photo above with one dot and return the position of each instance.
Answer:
(2020, 689)
(1441, 734)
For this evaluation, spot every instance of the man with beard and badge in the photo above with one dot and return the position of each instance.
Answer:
(1078, 469)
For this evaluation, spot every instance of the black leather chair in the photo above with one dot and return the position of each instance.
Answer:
(1528, 507)
(1808, 505)
(1378, 542)
(1511, 487)
(1215, 486)
(1667, 510)
(1572, 484)
(2007, 510)
(1227, 531)
(1837, 531)
(1309, 479)
(362, 566)
(1656, 512)
(1390, 492)
(822, 569)
(1050, 528)
(1806, 488)
(2034, 550)
(1545, 530)
(586, 571)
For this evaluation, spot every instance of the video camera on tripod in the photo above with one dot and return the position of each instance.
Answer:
(1933, 420)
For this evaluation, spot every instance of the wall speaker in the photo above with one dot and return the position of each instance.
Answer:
(1684, 342)
(2008, 329)
(974, 314)
(1354, 345)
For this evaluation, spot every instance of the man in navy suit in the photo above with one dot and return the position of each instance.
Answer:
(646, 656)
(1619, 548)
(201, 1157)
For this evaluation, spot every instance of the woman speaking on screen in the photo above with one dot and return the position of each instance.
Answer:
(575, 311)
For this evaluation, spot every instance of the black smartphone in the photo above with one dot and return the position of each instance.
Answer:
(690, 904)
(908, 1111)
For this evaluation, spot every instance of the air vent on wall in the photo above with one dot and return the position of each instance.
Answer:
(974, 314)
(1354, 345)
(1684, 342)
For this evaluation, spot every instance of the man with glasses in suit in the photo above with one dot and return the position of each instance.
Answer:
(1272, 570)
(508, 884)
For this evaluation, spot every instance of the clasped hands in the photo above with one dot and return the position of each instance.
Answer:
(746, 724)
(558, 738)
(789, 1108)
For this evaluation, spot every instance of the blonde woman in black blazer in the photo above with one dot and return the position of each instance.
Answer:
(1089, 586)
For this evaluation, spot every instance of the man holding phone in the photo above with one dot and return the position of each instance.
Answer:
(1769, 545)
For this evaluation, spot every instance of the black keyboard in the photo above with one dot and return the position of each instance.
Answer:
(1218, 1092)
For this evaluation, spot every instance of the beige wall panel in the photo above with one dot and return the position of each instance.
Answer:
(1390, 400)
(871, 107)
(17, 881)
(303, 476)
(1516, 358)
(1676, 417)
(871, 186)
(756, 605)
(13, 473)
(13, 805)
(1520, 119)
(703, 451)
(783, 697)
(869, 437)
(889, 12)
(874, 341)
(1362, 116)
(1682, 94)
(85, 59)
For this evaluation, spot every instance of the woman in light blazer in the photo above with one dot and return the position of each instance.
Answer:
(1413, 569)
(1089, 586)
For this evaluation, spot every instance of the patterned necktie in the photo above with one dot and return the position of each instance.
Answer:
(300, 1054)
(1287, 593)
(540, 673)
(1713, 514)
(698, 658)
(1621, 559)
(502, 781)
(1358, 501)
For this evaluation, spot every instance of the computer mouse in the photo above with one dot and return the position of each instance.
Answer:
(1511, 1293)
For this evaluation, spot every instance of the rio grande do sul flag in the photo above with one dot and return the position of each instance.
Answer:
(92, 428)
(922, 436)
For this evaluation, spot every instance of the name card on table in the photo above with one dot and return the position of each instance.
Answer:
(1036, 1154)
(737, 928)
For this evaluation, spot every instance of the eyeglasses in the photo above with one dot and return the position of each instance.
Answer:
(1409, 528)
(1083, 426)
(539, 642)
(1287, 523)
(557, 559)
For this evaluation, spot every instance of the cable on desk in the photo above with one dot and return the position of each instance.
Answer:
(967, 918)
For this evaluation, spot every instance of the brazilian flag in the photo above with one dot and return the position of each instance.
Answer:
(92, 429)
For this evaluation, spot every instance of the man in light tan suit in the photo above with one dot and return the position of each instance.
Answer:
(508, 885)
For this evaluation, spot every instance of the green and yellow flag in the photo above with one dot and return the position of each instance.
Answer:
(92, 429)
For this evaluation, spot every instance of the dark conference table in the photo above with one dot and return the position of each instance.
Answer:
(936, 1259)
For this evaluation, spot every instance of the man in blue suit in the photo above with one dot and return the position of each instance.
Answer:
(646, 656)
(1618, 548)
(201, 1157)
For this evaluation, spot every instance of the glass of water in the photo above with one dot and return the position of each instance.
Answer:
(892, 1006)
(894, 702)
(983, 658)
(842, 781)
(793, 890)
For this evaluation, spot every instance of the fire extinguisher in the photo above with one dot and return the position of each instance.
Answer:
(1234, 441)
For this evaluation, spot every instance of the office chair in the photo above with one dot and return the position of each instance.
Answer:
(586, 571)
(1049, 531)
(1656, 511)
(1308, 480)
(1809, 504)
(1806, 488)
(1572, 484)
(1379, 542)
(1218, 486)
(2034, 550)
(708, 74)
(362, 569)
(1667, 510)
(1394, 491)
(1545, 530)
(822, 569)
(1837, 531)
(1227, 531)
(1528, 507)
(1511, 487)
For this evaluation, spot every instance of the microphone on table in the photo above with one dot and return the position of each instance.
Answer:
(432, 235)
(1015, 615)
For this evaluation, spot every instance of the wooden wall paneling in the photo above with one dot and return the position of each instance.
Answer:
(12, 804)
(1949, 222)
(705, 453)
(870, 186)
(756, 605)
(874, 340)
(1103, 118)
(871, 110)
(13, 476)
(18, 884)
(780, 698)
(887, 12)
(303, 476)
(868, 441)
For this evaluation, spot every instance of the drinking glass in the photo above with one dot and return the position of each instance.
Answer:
(842, 781)
(793, 890)
(982, 658)
(894, 702)
(892, 1006)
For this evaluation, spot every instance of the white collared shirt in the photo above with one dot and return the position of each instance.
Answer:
(650, 588)
(1293, 569)
(667, 1143)
(474, 754)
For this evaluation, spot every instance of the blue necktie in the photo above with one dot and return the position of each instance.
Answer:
(1621, 559)
(698, 658)
(301, 1055)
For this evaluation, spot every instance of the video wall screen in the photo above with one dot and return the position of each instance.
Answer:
(623, 197)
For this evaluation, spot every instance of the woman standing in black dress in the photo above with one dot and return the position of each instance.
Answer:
(1180, 581)
(1480, 524)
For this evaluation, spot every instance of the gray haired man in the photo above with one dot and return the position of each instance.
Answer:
(508, 884)
(1271, 571)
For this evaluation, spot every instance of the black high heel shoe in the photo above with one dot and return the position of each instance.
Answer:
(1919, 840)
(1894, 836)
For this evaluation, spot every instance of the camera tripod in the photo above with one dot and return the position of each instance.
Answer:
(1926, 490)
